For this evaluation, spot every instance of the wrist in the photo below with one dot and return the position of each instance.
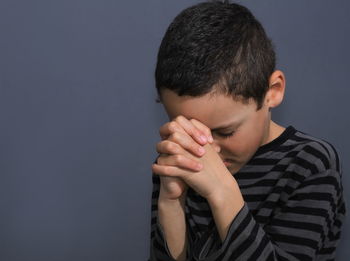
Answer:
(228, 195)
(225, 205)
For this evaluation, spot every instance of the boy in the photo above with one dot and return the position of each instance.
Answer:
(229, 183)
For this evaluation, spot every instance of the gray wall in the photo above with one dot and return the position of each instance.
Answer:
(79, 123)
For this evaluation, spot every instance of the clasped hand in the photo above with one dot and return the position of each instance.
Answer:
(183, 162)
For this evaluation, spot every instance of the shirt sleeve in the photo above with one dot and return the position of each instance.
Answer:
(159, 250)
(306, 227)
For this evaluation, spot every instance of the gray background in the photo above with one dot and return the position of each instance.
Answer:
(79, 123)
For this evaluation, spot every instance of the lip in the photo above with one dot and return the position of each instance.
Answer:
(227, 162)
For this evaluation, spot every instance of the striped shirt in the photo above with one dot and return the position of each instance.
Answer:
(294, 207)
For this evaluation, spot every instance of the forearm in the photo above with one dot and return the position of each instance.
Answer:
(225, 206)
(171, 215)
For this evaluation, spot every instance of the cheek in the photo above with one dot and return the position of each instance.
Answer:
(243, 143)
(235, 145)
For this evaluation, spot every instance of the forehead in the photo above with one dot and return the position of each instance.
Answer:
(212, 110)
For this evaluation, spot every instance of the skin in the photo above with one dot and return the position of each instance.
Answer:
(192, 117)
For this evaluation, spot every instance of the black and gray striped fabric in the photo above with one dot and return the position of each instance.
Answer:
(294, 207)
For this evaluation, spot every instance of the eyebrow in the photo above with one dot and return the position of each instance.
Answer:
(223, 127)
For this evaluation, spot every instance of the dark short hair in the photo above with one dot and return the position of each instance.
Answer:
(217, 47)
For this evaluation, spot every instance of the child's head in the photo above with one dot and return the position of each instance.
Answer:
(216, 65)
(216, 47)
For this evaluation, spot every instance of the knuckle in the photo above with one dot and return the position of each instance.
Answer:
(179, 118)
(182, 121)
(167, 170)
(175, 136)
(164, 147)
(176, 149)
(155, 169)
(178, 159)
(194, 122)
(170, 147)
(159, 147)
(172, 126)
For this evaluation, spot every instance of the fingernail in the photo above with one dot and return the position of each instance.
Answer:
(203, 138)
(210, 138)
(201, 150)
(199, 166)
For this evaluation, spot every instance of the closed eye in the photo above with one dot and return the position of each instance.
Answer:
(225, 135)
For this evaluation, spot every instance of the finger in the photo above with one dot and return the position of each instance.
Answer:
(168, 147)
(179, 161)
(169, 128)
(187, 143)
(169, 171)
(178, 143)
(203, 128)
(191, 130)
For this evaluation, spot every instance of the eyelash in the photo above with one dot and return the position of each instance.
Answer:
(226, 135)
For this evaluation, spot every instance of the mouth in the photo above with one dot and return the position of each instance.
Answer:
(227, 162)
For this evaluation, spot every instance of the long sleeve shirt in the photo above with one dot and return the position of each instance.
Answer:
(294, 207)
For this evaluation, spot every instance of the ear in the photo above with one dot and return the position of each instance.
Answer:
(274, 95)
